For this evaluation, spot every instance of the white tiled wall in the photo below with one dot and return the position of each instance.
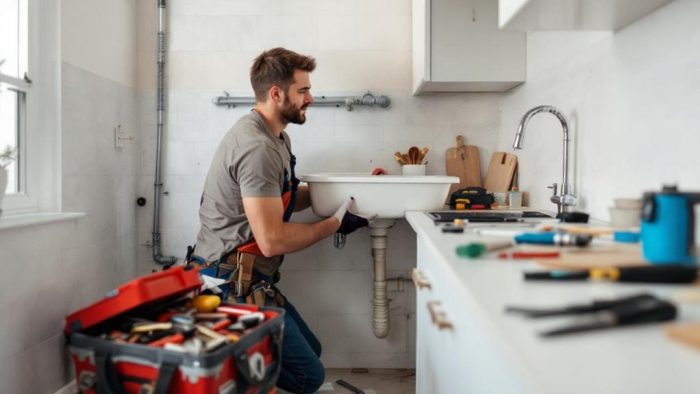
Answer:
(631, 99)
(53, 269)
(359, 46)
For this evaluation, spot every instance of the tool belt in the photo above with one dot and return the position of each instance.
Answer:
(252, 277)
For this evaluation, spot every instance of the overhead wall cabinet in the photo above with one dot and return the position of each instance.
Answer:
(530, 15)
(458, 47)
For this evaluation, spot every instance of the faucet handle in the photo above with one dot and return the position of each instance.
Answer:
(568, 200)
(554, 188)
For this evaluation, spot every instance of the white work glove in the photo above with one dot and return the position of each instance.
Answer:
(349, 219)
(340, 213)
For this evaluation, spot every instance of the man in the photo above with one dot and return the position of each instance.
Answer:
(249, 195)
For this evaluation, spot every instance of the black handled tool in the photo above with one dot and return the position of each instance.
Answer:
(643, 274)
(595, 306)
(635, 309)
(349, 386)
(636, 312)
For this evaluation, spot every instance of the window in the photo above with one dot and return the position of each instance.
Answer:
(30, 95)
(15, 86)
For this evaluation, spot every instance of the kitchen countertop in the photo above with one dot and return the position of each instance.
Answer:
(634, 359)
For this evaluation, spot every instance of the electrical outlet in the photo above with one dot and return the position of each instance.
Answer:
(118, 142)
(120, 137)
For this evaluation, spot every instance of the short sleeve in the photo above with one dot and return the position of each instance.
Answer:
(259, 170)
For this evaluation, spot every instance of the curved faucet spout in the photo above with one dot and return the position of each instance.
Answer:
(565, 197)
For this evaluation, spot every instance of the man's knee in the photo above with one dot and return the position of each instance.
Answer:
(315, 379)
(309, 381)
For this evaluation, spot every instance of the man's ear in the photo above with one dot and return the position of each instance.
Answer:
(276, 94)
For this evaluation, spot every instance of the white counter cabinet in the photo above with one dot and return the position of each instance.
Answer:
(489, 351)
(457, 352)
(457, 47)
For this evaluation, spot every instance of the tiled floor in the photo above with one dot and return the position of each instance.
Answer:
(380, 381)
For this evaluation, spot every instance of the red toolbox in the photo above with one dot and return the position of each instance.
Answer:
(247, 363)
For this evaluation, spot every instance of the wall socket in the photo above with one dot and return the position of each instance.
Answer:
(120, 137)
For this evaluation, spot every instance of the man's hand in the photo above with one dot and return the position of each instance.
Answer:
(350, 220)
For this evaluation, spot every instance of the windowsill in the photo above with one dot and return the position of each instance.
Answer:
(31, 219)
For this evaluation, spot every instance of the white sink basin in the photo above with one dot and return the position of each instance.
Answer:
(387, 196)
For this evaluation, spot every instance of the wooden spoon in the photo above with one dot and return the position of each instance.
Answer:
(423, 152)
(399, 157)
(414, 153)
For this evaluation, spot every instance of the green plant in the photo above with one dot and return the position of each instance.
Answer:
(7, 156)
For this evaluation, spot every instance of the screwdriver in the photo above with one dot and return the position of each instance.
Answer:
(643, 274)
(554, 238)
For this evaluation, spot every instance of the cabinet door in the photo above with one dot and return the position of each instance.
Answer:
(457, 47)
(426, 379)
(457, 350)
(438, 360)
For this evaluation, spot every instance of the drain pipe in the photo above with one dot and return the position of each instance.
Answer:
(380, 301)
(160, 108)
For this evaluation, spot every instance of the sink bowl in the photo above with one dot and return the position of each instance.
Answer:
(387, 196)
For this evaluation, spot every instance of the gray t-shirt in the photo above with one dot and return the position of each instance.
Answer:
(249, 162)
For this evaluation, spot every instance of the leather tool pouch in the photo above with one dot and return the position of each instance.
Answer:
(245, 285)
(242, 276)
(262, 293)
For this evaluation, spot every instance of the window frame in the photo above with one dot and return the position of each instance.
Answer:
(21, 87)
(38, 157)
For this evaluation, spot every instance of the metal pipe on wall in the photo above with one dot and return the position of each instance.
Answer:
(368, 100)
(160, 109)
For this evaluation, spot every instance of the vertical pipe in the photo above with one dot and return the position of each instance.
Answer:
(565, 165)
(380, 302)
(160, 108)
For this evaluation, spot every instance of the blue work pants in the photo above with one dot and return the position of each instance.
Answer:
(302, 370)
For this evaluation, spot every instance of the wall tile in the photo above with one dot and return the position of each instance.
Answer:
(321, 292)
(356, 331)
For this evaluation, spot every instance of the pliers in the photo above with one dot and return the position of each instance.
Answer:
(639, 308)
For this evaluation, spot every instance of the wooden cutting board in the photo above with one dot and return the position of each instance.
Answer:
(463, 161)
(596, 257)
(500, 173)
(686, 333)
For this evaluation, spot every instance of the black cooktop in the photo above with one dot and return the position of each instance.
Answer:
(485, 216)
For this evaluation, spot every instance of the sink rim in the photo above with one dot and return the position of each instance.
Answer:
(361, 177)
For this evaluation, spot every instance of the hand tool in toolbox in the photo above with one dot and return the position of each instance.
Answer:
(601, 314)
(152, 333)
(644, 274)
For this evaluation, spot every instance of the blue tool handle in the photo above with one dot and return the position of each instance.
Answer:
(535, 238)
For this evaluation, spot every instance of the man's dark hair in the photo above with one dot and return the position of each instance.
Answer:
(276, 67)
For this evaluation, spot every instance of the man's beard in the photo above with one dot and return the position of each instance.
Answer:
(292, 114)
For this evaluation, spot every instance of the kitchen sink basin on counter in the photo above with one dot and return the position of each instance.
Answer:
(387, 196)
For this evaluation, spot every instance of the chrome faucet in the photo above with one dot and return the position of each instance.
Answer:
(565, 198)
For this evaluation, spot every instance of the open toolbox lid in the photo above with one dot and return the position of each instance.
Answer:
(157, 286)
